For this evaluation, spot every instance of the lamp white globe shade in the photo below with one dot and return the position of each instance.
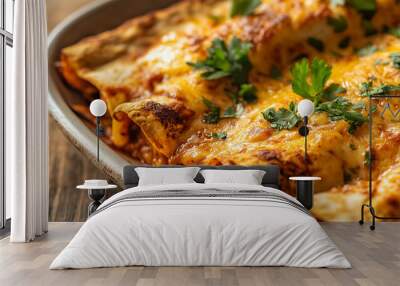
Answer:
(305, 107)
(98, 108)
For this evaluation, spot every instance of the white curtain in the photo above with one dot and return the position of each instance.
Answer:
(27, 124)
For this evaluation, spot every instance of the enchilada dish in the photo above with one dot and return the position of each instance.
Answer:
(217, 82)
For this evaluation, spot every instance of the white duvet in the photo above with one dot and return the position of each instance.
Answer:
(200, 231)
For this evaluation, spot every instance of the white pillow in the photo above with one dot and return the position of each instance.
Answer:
(166, 176)
(248, 177)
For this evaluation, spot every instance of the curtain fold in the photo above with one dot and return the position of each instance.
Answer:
(27, 124)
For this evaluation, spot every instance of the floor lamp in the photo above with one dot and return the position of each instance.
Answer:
(97, 188)
(305, 185)
(369, 205)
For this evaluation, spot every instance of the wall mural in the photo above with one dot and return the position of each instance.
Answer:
(217, 82)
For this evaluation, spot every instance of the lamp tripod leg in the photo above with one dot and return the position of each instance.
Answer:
(372, 210)
(361, 221)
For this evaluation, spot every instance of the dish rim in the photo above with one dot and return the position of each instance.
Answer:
(111, 162)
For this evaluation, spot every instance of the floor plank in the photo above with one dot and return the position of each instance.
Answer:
(375, 257)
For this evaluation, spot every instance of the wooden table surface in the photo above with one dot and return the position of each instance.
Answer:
(68, 167)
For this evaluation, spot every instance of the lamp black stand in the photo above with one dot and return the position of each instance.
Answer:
(303, 131)
(99, 133)
(98, 137)
(96, 195)
(305, 185)
(305, 193)
(370, 205)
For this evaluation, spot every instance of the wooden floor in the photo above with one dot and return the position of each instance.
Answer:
(375, 257)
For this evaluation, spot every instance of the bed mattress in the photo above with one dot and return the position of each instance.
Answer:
(201, 225)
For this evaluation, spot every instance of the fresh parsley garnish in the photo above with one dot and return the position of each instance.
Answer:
(244, 7)
(331, 92)
(359, 106)
(338, 24)
(367, 50)
(226, 61)
(233, 111)
(240, 65)
(366, 8)
(368, 90)
(338, 108)
(309, 82)
(362, 5)
(230, 112)
(231, 62)
(248, 92)
(317, 74)
(395, 57)
(316, 44)
(219, 135)
(213, 114)
(342, 109)
(283, 118)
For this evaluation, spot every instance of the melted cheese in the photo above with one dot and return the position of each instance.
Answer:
(141, 70)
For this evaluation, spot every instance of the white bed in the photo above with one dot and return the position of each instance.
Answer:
(249, 226)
